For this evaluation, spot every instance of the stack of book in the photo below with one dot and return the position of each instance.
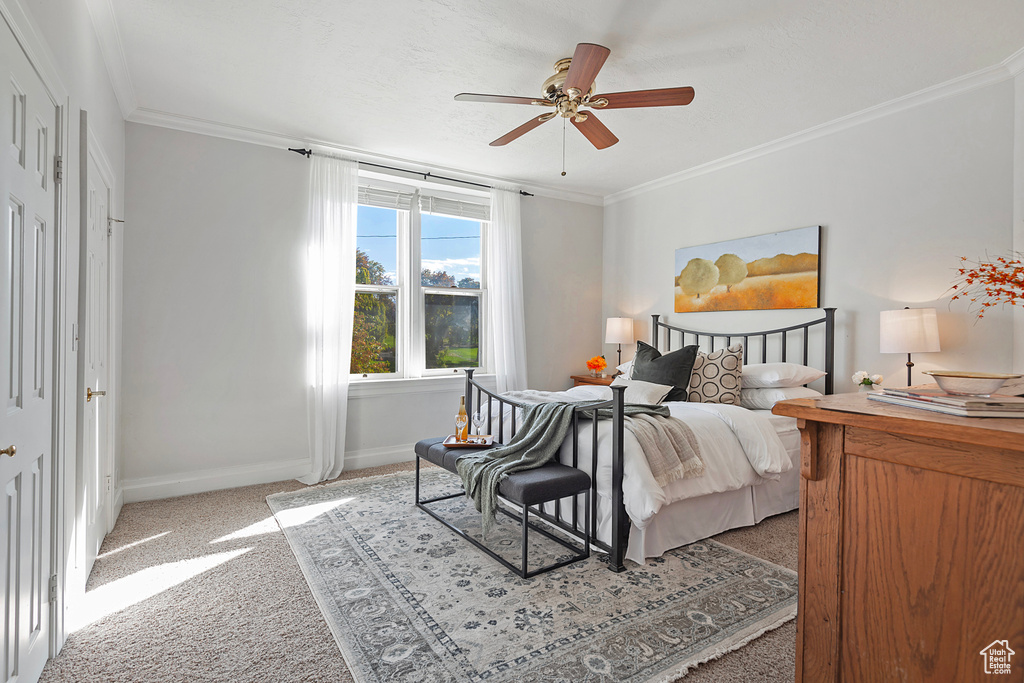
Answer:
(932, 398)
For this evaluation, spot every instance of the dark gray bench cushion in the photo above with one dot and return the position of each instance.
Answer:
(528, 487)
(541, 484)
(436, 452)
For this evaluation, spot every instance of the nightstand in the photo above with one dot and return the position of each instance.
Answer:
(590, 379)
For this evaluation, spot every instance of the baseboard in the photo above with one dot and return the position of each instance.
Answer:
(375, 457)
(154, 488)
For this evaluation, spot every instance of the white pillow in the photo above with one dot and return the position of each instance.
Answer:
(776, 375)
(764, 399)
(644, 393)
(626, 368)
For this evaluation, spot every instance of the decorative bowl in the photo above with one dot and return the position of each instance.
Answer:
(982, 384)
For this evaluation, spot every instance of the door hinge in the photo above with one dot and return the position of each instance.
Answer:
(58, 169)
(53, 588)
(109, 483)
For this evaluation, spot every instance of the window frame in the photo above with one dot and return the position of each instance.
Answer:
(410, 304)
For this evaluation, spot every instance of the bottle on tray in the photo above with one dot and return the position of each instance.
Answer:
(462, 422)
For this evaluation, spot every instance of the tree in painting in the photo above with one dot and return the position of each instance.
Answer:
(731, 270)
(698, 277)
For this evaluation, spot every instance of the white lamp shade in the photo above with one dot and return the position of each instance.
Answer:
(619, 331)
(909, 330)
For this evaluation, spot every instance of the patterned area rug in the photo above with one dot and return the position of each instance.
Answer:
(407, 600)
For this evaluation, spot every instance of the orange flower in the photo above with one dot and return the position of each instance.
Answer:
(597, 363)
(991, 282)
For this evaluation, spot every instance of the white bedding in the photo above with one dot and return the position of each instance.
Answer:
(739, 448)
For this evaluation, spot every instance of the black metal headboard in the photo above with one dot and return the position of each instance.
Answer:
(767, 341)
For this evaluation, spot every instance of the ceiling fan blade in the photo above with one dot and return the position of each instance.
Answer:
(595, 131)
(522, 130)
(665, 97)
(586, 62)
(498, 99)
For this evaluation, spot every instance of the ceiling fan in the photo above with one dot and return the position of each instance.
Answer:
(572, 87)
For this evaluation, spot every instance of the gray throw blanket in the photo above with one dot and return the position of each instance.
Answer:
(670, 446)
(544, 427)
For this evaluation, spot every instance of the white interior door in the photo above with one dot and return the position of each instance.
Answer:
(28, 124)
(96, 460)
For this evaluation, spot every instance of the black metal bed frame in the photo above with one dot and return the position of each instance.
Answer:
(620, 521)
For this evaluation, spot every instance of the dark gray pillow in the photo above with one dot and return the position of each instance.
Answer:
(672, 368)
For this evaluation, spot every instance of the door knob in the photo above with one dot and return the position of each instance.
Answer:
(89, 393)
(10, 450)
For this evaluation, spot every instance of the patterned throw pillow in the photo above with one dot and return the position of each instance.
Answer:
(716, 376)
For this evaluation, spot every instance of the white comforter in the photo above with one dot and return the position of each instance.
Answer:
(739, 448)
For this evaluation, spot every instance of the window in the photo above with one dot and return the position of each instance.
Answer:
(419, 284)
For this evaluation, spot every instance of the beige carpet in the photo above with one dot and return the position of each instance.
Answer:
(247, 614)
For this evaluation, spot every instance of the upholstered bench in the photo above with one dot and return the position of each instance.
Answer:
(527, 488)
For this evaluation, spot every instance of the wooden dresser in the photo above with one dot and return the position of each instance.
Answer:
(911, 542)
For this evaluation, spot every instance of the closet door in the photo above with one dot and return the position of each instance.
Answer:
(28, 124)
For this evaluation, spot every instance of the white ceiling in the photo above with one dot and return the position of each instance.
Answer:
(379, 76)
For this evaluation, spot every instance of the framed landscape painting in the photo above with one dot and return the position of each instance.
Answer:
(778, 270)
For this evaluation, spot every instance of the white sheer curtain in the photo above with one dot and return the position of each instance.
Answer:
(504, 311)
(331, 251)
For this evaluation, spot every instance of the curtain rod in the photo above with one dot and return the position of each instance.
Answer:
(308, 153)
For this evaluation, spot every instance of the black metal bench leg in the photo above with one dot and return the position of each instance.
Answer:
(417, 479)
(586, 521)
(526, 545)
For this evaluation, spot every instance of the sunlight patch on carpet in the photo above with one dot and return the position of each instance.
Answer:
(264, 526)
(122, 548)
(117, 595)
(303, 514)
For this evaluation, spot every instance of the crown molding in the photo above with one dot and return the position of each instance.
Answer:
(1015, 62)
(190, 124)
(979, 79)
(24, 29)
(104, 25)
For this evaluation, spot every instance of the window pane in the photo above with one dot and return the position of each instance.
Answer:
(376, 246)
(373, 333)
(450, 252)
(452, 331)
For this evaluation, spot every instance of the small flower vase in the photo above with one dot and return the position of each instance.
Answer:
(595, 373)
(866, 388)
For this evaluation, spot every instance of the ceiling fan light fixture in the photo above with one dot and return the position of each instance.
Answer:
(565, 92)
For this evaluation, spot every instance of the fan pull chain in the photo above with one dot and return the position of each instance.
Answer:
(563, 146)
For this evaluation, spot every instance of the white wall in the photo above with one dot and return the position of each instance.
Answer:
(562, 274)
(215, 336)
(901, 198)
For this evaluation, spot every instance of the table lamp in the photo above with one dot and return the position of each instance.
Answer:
(619, 331)
(909, 330)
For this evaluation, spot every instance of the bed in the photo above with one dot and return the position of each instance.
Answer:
(636, 519)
